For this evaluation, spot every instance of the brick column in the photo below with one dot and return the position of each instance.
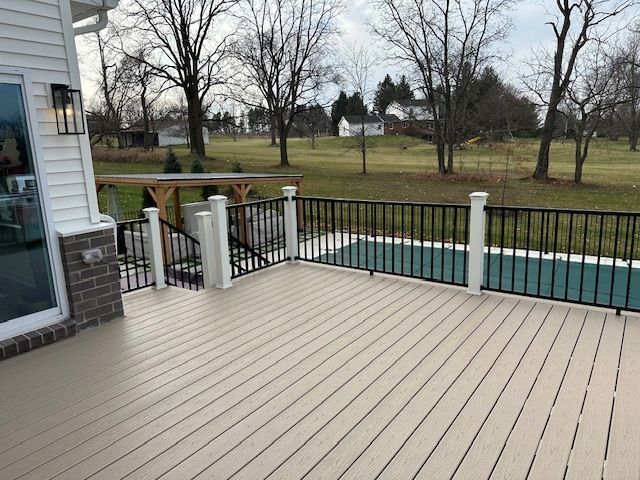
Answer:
(93, 290)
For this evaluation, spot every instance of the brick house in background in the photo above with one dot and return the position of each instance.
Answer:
(409, 117)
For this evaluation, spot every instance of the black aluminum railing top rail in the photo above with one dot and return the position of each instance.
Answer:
(133, 255)
(587, 257)
(256, 235)
(420, 240)
(181, 251)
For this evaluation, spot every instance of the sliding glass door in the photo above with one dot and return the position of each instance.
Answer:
(27, 288)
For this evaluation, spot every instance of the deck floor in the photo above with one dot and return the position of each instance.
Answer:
(306, 371)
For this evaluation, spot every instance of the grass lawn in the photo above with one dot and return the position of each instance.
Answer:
(402, 168)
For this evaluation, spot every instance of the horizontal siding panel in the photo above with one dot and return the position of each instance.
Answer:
(40, 90)
(34, 62)
(61, 166)
(68, 202)
(65, 178)
(31, 7)
(70, 215)
(46, 115)
(30, 21)
(26, 47)
(25, 33)
(41, 102)
(58, 141)
(57, 191)
(50, 76)
(61, 153)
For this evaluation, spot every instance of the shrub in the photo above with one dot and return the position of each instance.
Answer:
(171, 163)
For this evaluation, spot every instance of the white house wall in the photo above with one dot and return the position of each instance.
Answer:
(37, 36)
(370, 129)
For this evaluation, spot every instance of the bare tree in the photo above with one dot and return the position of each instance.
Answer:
(629, 69)
(356, 72)
(179, 34)
(592, 92)
(282, 57)
(114, 88)
(574, 23)
(446, 43)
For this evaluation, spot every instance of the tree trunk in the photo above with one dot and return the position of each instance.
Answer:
(442, 169)
(363, 151)
(313, 139)
(450, 159)
(546, 137)
(273, 130)
(194, 111)
(284, 154)
(633, 137)
(577, 175)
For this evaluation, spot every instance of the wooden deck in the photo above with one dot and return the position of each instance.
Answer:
(304, 371)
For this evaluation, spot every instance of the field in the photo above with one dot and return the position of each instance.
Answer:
(402, 168)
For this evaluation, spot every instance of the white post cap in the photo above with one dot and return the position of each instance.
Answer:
(478, 195)
(217, 198)
(289, 190)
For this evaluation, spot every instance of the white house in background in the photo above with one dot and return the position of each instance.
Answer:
(410, 109)
(166, 133)
(351, 125)
(177, 134)
(58, 270)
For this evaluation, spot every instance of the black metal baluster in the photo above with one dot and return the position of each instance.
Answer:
(615, 256)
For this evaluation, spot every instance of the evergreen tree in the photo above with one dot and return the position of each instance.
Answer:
(171, 163)
(207, 190)
(403, 89)
(385, 94)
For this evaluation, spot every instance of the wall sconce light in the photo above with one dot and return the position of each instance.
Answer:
(69, 112)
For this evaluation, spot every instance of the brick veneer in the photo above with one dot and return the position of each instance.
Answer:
(93, 291)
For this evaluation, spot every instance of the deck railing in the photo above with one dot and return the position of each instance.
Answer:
(256, 235)
(587, 257)
(182, 264)
(584, 256)
(420, 240)
(133, 255)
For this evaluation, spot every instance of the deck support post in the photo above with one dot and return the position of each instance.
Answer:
(476, 242)
(155, 247)
(290, 224)
(220, 242)
(205, 237)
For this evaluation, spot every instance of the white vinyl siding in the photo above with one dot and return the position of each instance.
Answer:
(32, 36)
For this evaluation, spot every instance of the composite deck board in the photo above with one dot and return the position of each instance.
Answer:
(197, 322)
(623, 460)
(320, 372)
(168, 421)
(158, 320)
(590, 445)
(212, 363)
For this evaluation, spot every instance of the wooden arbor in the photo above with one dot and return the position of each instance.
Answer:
(163, 186)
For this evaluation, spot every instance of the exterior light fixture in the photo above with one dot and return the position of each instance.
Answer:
(68, 106)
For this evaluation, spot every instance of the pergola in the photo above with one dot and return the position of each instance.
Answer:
(163, 186)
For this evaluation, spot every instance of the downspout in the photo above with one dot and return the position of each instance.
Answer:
(101, 23)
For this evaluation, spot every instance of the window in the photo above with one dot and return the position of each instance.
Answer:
(405, 124)
(391, 126)
(379, 126)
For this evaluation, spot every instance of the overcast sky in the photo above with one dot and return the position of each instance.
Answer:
(529, 31)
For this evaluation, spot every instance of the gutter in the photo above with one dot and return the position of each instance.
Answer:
(100, 24)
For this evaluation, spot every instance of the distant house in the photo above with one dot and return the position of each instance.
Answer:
(410, 109)
(409, 117)
(166, 133)
(351, 125)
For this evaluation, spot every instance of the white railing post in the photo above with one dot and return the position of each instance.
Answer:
(155, 247)
(220, 243)
(290, 224)
(476, 242)
(205, 237)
